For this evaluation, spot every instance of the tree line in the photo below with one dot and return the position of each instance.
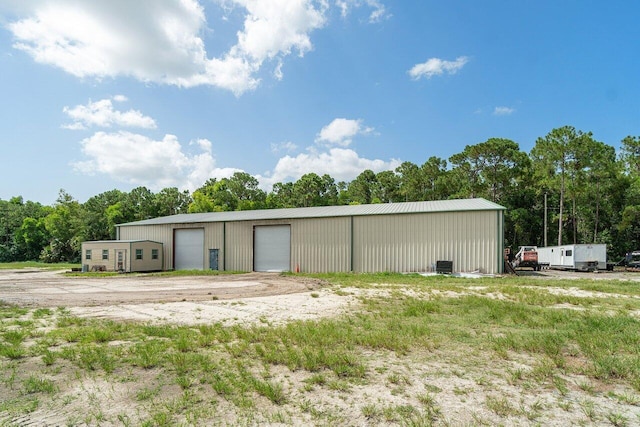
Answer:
(589, 193)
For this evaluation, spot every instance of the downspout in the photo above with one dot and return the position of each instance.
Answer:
(224, 246)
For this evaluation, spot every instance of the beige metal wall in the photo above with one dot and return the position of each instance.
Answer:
(415, 242)
(96, 254)
(213, 238)
(130, 263)
(403, 243)
(157, 233)
(317, 245)
(146, 263)
(321, 245)
(239, 246)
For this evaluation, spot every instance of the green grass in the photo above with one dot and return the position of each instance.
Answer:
(37, 264)
(211, 365)
(35, 384)
(92, 274)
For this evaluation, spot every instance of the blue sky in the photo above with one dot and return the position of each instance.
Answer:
(117, 94)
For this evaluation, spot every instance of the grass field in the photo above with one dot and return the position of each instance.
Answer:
(417, 351)
(36, 264)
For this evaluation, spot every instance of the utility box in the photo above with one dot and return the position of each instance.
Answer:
(444, 267)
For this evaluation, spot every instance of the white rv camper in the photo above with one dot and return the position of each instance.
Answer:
(574, 257)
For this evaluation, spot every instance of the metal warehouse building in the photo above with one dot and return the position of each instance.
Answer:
(399, 237)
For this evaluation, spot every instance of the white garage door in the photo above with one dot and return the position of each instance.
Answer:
(189, 249)
(272, 248)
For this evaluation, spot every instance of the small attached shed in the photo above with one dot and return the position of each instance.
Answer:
(122, 255)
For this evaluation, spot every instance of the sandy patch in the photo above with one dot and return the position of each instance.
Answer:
(269, 309)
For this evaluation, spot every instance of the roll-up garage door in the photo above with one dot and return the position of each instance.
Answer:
(189, 249)
(272, 248)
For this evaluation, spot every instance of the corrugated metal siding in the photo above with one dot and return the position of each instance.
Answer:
(96, 254)
(213, 238)
(146, 263)
(416, 242)
(239, 246)
(131, 264)
(401, 242)
(159, 233)
(321, 245)
(327, 211)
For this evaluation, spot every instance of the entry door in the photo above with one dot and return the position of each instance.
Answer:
(121, 260)
(272, 248)
(213, 259)
(189, 249)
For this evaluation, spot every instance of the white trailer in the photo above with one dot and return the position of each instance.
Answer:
(585, 257)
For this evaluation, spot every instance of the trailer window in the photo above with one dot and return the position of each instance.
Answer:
(569, 252)
(154, 254)
(138, 253)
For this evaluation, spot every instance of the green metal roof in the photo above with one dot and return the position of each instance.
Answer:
(459, 205)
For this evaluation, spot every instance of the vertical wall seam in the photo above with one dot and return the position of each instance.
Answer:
(500, 245)
(351, 249)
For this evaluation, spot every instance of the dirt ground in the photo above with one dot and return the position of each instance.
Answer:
(236, 298)
(463, 388)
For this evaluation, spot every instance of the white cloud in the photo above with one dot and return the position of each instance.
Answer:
(437, 66)
(341, 132)
(344, 6)
(287, 146)
(503, 111)
(276, 27)
(343, 164)
(95, 38)
(378, 13)
(139, 160)
(160, 40)
(102, 114)
(277, 72)
(204, 144)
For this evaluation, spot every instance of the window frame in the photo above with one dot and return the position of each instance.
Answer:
(139, 254)
(87, 254)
